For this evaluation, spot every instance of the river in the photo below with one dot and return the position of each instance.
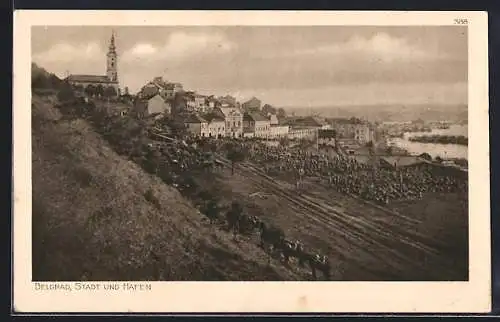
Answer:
(442, 150)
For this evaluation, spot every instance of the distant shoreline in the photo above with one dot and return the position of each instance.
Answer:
(441, 139)
(453, 113)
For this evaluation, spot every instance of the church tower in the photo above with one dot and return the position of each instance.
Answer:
(111, 69)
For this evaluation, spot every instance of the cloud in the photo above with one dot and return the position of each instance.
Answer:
(381, 47)
(143, 49)
(64, 53)
(179, 45)
(367, 94)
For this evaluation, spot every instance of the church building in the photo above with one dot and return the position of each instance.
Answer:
(100, 85)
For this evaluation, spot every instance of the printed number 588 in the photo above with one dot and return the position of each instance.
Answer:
(460, 21)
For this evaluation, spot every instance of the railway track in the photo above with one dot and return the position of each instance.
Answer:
(356, 230)
(406, 234)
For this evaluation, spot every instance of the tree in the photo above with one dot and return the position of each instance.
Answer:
(281, 113)
(40, 81)
(176, 125)
(55, 82)
(266, 109)
(110, 92)
(179, 102)
(235, 154)
(389, 150)
(126, 91)
(438, 159)
(66, 92)
(99, 90)
(426, 156)
(90, 90)
(78, 88)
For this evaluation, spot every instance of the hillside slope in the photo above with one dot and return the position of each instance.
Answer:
(97, 216)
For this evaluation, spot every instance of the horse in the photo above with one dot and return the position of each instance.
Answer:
(212, 211)
(255, 221)
(273, 236)
(207, 166)
(247, 224)
(291, 249)
(319, 262)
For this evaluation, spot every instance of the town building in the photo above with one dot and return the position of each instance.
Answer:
(196, 125)
(159, 86)
(353, 128)
(327, 137)
(278, 131)
(227, 101)
(212, 103)
(190, 101)
(195, 102)
(216, 125)
(200, 104)
(100, 85)
(302, 133)
(233, 118)
(252, 105)
(152, 106)
(273, 119)
(257, 124)
(308, 122)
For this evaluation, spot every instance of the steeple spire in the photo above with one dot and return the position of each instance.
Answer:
(112, 60)
(112, 48)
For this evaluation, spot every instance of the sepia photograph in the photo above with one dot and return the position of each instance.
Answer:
(251, 153)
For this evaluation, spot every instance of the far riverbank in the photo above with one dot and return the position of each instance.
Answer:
(434, 149)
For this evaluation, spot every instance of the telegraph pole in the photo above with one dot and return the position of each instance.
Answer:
(317, 140)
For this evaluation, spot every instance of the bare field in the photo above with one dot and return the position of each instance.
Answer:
(420, 240)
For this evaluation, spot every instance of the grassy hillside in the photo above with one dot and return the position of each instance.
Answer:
(97, 216)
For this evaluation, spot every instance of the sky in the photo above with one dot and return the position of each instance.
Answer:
(284, 66)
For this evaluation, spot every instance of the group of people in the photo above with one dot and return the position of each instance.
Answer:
(375, 182)
(272, 238)
(175, 162)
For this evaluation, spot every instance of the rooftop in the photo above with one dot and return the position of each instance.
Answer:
(90, 79)
(255, 117)
(253, 99)
(149, 92)
(194, 118)
(351, 120)
(213, 118)
(308, 121)
(229, 110)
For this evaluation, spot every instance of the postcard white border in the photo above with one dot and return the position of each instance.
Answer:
(443, 297)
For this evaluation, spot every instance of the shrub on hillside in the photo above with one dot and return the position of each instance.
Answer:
(151, 198)
(66, 93)
(235, 154)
